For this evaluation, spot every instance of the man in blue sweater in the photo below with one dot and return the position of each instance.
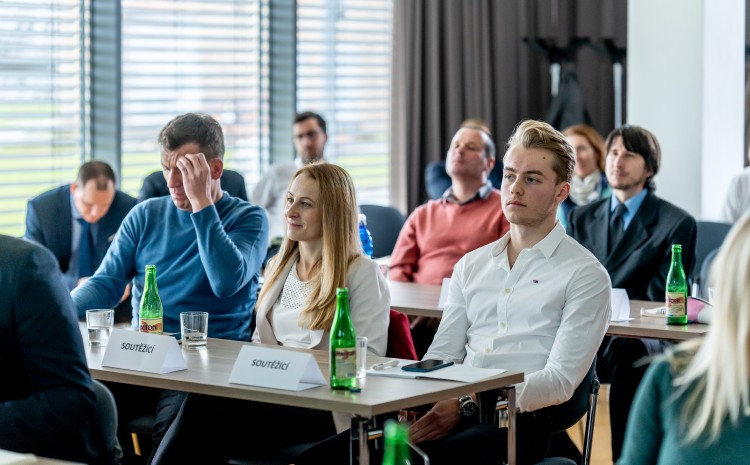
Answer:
(206, 245)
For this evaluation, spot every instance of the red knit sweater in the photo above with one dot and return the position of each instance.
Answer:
(436, 235)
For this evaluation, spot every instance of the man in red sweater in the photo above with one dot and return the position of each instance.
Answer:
(437, 234)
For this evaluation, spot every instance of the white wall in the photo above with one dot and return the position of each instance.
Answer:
(685, 81)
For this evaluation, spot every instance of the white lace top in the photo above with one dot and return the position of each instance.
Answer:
(285, 314)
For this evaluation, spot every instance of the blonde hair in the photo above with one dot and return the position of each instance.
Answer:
(531, 134)
(341, 245)
(717, 376)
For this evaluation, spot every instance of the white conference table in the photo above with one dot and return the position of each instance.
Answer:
(208, 373)
(422, 300)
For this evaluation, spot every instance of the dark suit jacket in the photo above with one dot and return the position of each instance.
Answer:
(47, 403)
(154, 185)
(640, 262)
(49, 219)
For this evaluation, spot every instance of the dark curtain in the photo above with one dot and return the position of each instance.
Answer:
(458, 59)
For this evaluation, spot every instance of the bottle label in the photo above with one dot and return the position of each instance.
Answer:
(346, 362)
(676, 304)
(151, 325)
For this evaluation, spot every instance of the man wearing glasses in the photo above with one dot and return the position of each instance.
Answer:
(310, 137)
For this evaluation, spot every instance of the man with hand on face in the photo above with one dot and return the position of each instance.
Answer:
(77, 222)
(309, 136)
(207, 246)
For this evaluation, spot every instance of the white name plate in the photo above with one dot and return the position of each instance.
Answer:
(276, 368)
(152, 353)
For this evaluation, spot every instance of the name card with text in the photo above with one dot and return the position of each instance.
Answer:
(152, 353)
(276, 368)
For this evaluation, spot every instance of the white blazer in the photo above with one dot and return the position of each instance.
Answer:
(369, 306)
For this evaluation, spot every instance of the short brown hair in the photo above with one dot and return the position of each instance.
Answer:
(594, 139)
(531, 134)
(198, 128)
(97, 170)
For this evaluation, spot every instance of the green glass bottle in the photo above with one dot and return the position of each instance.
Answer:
(677, 290)
(151, 313)
(343, 348)
(396, 450)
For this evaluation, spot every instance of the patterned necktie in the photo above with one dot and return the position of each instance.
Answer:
(85, 250)
(616, 227)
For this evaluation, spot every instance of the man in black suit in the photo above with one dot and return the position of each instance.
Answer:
(77, 222)
(632, 234)
(47, 401)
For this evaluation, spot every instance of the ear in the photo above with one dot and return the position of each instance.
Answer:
(217, 167)
(562, 193)
(73, 187)
(489, 163)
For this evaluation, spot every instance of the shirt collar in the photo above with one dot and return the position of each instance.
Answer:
(632, 204)
(74, 210)
(547, 245)
(482, 193)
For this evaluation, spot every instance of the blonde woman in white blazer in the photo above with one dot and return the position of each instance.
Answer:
(321, 251)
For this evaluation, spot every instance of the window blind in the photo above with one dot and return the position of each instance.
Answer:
(42, 101)
(343, 72)
(183, 56)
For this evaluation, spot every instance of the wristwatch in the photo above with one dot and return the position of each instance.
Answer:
(467, 407)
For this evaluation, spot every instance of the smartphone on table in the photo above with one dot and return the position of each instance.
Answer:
(427, 365)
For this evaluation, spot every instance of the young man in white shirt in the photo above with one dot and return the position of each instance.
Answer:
(533, 301)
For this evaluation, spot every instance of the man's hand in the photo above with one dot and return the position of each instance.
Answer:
(437, 423)
(196, 180)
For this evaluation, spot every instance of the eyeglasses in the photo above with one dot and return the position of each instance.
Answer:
(304, 135)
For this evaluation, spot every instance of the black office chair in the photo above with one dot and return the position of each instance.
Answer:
(567, 414)
(106, 413)
(701, 281)
(710, 236)
(385, 224)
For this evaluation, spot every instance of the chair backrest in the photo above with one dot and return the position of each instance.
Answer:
(709, 236)
(567, 414)
(106, 412)
(705, 270)
(385, 224)
(400, 343)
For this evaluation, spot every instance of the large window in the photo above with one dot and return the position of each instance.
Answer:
(181, 56)
(176, 56)
(343, 72)
(42, 101)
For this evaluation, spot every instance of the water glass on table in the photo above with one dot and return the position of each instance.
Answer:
(99, 322)
(361, 357)
(194, 330)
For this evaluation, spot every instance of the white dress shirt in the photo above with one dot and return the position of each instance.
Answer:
(737, 202)
(546, 316)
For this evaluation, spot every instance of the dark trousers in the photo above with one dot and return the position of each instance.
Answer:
(622, 362)
(469, 444)
(212, 430)
(136, 401)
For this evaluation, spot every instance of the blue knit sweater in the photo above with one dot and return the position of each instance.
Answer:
(205, 261)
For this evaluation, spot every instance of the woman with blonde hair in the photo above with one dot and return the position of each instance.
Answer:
(321, 251)
(589, 182)
(693, 406)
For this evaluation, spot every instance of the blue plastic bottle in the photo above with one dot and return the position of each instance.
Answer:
(365, 236)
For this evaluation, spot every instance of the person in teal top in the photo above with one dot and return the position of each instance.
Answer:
(589, 182)
(693, 405)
